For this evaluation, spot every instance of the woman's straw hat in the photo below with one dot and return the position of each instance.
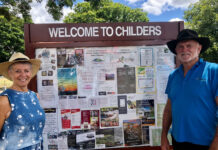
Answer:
(19, 57)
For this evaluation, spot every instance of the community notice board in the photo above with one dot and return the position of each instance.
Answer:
(103, 97)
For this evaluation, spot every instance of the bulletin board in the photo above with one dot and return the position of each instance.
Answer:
(102, 84)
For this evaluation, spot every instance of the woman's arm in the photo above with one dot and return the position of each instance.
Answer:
(5, 110)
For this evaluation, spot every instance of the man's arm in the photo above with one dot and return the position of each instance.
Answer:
(167, 120)
(214, 145)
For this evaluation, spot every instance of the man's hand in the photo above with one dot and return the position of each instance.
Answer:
(165, 143)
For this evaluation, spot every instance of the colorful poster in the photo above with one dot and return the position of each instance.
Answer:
(132, 132)
(109, 117)
(85, 119)
(145, 111)
(67, 81)
(79, 54)
(66, 118)
(94, 119)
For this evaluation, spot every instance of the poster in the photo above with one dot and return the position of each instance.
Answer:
(145, 111)
(75, 119)
(47, 77)
(66, 118)
(122, 104)
(126, 80)
(109, 117)
(51, 120)
(145, 79)
(124, 56)
(67, 83)
(110, 137)
(94, 119)
(132, 132)
(146, 56)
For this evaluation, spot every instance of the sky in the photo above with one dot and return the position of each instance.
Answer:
(157, 10)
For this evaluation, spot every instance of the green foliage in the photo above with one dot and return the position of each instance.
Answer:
(203, 18)
(55, 7)
(18, 7)
(12, 37)
(105, 11)
(23, 7)
(5, 12)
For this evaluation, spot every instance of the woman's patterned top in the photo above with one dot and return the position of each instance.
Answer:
(25, 124)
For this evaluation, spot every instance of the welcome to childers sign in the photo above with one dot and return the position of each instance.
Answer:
(101, 31)
(104, 31)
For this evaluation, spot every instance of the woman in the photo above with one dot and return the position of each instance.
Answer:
(21, 117)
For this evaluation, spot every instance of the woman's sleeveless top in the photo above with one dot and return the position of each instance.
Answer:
(25, 124)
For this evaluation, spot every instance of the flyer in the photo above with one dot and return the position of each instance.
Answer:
(85, 119)
(46, 77)
(67, 82)
(122, 104)
(62, 141)
(94, 119)
(66, 118)
(75, 118)
(145, 80)
(126, 80)
(85, 139)
(145, 111)
(124, 56)
(109, 117)
(110, 137)
(51, 120)
(132, 132)
(146, 56)
(145, 135)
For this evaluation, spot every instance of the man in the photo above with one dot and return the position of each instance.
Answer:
(192, 96)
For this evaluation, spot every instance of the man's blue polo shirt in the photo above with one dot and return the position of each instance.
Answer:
(193, 102)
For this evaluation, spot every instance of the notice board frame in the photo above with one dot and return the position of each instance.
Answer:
(38, 36)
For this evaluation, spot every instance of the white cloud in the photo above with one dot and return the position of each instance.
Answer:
(132, 1)
(181, 3)
(40, 15)
(156, 7)
(175, 19)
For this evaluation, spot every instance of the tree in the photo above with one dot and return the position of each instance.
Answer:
(105, 11)
(54, 7)
(12, 37)
(202, 17)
